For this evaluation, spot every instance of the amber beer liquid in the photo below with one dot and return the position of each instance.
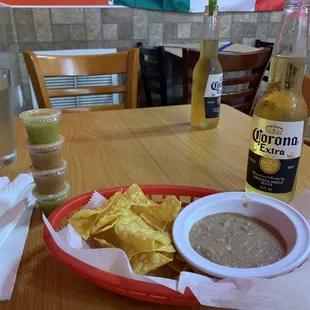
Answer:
(280, 117)
(207, 75)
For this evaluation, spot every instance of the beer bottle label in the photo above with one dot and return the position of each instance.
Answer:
(274, 154)
(212, 95)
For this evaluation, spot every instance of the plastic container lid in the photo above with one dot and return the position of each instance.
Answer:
(44, 148)
(51, 198)
(40, 116)
(49, 173)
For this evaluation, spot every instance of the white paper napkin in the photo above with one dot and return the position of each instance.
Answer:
(289, 291)
(12, 193)
(16, 205)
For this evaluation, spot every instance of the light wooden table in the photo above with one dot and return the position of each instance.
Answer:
(117, 148)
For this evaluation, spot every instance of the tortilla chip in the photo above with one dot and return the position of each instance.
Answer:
(103, 244)
(132, 229)
(167, 255)
(111, 201)
(109, 226)
(111, 213)
(131, 250)
(162, 216)
(167, 249)
(137, 197)
(144, 263)
(108, 237)
(83, 221)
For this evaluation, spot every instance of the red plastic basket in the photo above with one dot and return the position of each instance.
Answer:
(149, 292)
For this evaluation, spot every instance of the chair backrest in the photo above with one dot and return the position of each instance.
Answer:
(189, 60)
(154, 74)
(255, 63)
(40, 66)
(264, 44)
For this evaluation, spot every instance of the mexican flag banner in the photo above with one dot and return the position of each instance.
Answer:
(196, 6)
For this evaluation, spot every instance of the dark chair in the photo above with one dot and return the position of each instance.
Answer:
(263, 44)
(242, 100)
(154, 76)
(189, 60)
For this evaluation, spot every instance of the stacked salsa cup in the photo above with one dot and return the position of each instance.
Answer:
(48, 169)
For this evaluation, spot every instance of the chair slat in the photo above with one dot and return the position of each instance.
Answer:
(241, 80)
(155, 77)
(82, 91)
(237, 94)
(243, 62)
(83, 65)
(107, 107)
(152, 88)
(148, 52)
(149, 65)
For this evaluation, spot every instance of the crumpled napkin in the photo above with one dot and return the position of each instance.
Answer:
(289, 291)
(16, 205)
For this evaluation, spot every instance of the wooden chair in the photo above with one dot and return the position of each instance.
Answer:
(40, 66)
(154, 75)
(264, 44)
(242, 100)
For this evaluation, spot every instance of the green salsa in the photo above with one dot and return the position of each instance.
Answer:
(47, 207)
(42, 125)
(42, 133)
(48, 203)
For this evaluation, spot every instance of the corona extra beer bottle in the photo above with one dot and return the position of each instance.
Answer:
(207, 74)
(280, 116)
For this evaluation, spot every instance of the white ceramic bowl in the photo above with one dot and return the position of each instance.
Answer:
(290, 224)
